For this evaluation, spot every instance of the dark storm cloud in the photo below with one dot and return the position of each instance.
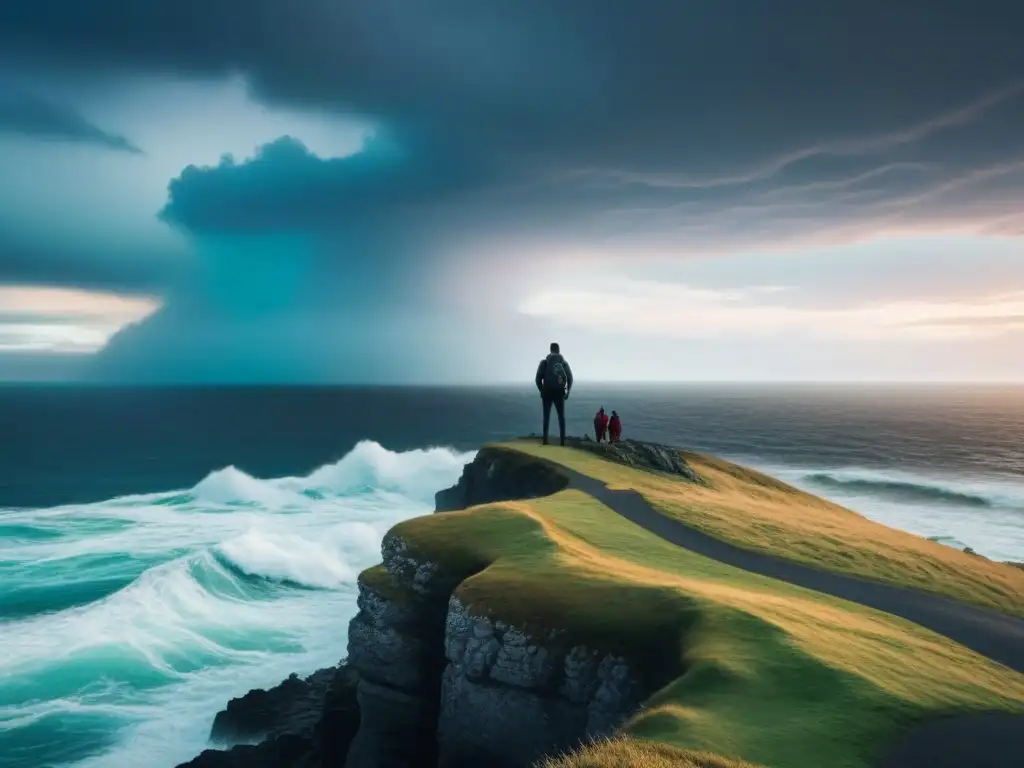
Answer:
(682, 121)
(142, 270)
(29, 115)
(680, 125)
(440, 187)
(687, 122)
(285, 186)
(706, 63)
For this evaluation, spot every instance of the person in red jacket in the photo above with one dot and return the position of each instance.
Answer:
(600, 424)
(614, 428)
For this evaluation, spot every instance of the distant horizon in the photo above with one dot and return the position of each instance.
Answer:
(13, 384)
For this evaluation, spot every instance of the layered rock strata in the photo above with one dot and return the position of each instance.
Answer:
(508, 698)
(442, 684)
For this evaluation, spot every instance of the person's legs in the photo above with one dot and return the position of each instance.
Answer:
(560, 408)
(547, 416)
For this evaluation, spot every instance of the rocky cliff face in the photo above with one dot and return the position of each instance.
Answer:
(396, 646)
(497, 475)
(442, 685)
(508, 699)
(431, 680)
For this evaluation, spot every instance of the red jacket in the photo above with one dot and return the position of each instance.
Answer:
(615, 426)
(601, 421)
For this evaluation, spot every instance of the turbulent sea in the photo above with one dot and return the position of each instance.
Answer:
(163, 550)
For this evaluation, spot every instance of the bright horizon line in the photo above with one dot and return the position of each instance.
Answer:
(519, 383)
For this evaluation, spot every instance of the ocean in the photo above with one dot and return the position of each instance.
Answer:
(163, 550)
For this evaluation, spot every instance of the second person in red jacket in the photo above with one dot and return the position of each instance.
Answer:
(614, 428)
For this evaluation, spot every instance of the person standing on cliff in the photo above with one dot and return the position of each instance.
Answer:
(600, 424)
(554, 382)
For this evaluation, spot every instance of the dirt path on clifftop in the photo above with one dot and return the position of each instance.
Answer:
(994, 635)
(980, 740)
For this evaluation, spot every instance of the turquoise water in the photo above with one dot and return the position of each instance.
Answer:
(127, 624)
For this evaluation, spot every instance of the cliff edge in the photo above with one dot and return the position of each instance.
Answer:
(526, 622)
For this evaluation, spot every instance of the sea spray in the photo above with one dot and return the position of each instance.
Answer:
(128, 623)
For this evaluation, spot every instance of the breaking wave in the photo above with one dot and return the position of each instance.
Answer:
(128, 623)
(902, 490)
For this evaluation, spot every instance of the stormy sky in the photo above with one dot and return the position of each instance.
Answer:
(409, 192)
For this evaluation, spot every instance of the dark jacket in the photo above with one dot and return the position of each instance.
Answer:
(549, 386)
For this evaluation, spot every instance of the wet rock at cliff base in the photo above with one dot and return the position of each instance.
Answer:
(396, 728)
(304, 723)
(339, 718)
(501, 726)
(293, 706)
(287, 751)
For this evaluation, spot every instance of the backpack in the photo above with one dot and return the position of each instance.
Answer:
(555, 378)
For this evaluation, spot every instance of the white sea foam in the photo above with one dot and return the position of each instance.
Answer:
(248, 580)
(288, 557)
(233, 486)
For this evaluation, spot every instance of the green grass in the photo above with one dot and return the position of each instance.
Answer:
(752, 669)
(763, 514)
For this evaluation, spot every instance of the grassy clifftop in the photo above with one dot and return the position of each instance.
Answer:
(758, 670)
(763, 514)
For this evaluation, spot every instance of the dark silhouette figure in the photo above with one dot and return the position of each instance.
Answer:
(600, 424)
(554, 382)
(614, 428)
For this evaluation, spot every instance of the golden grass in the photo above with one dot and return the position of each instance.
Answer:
(748, 668)
(759, 513)
(625, 752)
